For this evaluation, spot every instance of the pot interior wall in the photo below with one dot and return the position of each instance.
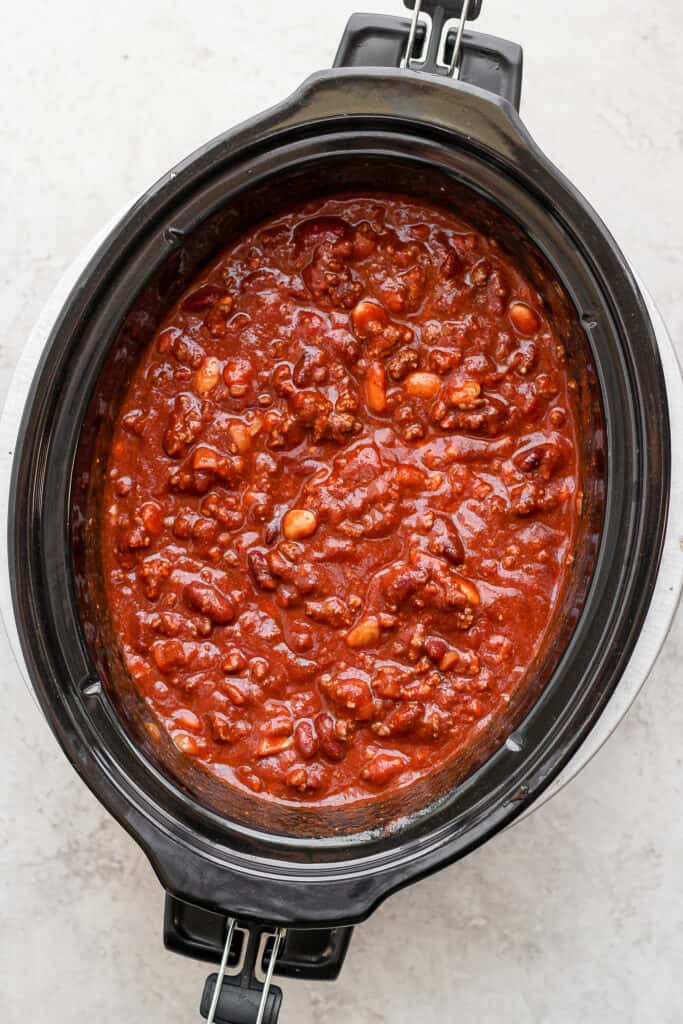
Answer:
(148, 307)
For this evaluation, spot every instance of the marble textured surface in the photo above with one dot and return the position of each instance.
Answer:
(574, 915)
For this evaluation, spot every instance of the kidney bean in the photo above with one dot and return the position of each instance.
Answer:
(543, 459)
(210, 602)
(306, 740)
(400, 721)
(152, 516)
(260, 572)
(201, 298)
(330, 745)
(436, 648)
(238, 375)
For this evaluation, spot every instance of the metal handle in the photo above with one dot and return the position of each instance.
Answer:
(245, 995)
(437, 34)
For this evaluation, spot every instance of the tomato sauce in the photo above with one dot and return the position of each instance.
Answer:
(342, 500)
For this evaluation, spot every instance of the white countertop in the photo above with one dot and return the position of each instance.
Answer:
(574, 916)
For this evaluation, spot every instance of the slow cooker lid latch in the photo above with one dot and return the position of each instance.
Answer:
(440, 48)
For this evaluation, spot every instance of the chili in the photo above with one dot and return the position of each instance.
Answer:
(342, 500)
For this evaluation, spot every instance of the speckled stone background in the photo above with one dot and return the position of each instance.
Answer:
(574, 916)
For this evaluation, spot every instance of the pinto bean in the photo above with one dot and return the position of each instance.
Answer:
(469, 590)
(299, 523)
(524, 319)
(365, 634)
(241, 436)
(382, 768)
(463, 395)
(270, 745)
(228, 727)
(207, 376)
(368, 317)
(423, 385)
(375, 387)
(186, 744)
(187, 719)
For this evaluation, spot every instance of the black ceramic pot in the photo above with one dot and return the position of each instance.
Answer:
(375, 128)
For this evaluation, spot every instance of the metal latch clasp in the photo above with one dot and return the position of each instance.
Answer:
(241, 999)
(444, 16)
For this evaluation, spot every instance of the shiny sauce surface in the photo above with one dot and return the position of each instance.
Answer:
(342, 500)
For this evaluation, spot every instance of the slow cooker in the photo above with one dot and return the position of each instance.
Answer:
(426, 107)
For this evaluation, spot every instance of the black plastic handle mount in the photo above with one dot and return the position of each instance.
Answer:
(378, 40)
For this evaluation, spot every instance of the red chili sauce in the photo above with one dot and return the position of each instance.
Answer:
(342, 500)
